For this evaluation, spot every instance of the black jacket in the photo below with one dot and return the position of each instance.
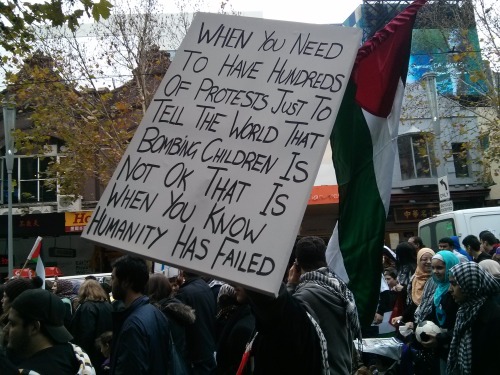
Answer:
(180, 316)
(235, 334)
(287, 342)
(485, 338)
(141, 340)
(201, 335)
(90, 320)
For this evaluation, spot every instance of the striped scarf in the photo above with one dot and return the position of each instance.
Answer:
(478, 286)
(328, 280)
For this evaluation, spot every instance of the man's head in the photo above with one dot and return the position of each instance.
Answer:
(130, 274)
(416, 242)
(36, 321)
(488, 239)
(446, 243)
(310, 253)
(471, 244)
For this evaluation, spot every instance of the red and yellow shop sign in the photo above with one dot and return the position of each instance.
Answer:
(74, 222)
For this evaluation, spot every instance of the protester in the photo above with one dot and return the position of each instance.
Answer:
(440, 308)
(286, 341)
(235, 324)
(473, 247)
(416, 287)
(91, 319)
(405, 265)
(12, 289)
(417, 243)
(38, 340)
(492, 267)
(489, 243)
(64, 289)
(200, 336)
(328, 300)
(141, 334)
(446, 243)
(474, 347)
(179, 315)
(103, 343)
(391, 300)
(456, 246)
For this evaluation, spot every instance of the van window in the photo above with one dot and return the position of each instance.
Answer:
(431, 233)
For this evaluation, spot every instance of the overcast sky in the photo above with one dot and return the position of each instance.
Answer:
(310, 11)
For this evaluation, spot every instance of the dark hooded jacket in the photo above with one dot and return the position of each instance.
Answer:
(179, 316)
(141, 340)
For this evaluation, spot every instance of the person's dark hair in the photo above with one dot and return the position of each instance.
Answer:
(104, 338)
(391, 272)
(489, 238)
(447, 240)
(158, 287)
(190, 275)
(14, 287)
(405, 254)
(310, 253)
(90, 277)
(482, 233)
(134, 270)
(418, 241)
(472, 241)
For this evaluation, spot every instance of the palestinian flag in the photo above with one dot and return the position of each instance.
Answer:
(34, 256)
(364, 144)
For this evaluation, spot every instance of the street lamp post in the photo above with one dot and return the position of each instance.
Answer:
(9, 121)
(429, 80)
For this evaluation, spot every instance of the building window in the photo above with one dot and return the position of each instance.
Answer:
(28, 180)
(460, 159)
(415, 157)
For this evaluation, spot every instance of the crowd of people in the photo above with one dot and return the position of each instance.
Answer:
(457, 289)
(181, 323)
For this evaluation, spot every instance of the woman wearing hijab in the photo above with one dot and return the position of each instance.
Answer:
(474, 347)
(492, 267)
(440, 308)
(416, 287)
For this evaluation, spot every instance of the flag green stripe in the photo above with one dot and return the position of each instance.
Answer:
(362, 213)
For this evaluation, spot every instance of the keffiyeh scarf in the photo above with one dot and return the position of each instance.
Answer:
(477, 285)
(328, 280)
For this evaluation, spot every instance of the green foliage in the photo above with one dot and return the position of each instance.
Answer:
(93, 131)
(16, 17)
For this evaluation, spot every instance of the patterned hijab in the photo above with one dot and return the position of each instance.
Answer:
(420, 277)
(449, 259)
(478, 286)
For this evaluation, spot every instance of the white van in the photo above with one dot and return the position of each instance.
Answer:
(459, 223)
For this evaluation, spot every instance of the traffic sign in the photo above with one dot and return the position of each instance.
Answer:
(446, 206)
(443, 188)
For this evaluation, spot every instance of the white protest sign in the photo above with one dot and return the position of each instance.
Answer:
(217, 176)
